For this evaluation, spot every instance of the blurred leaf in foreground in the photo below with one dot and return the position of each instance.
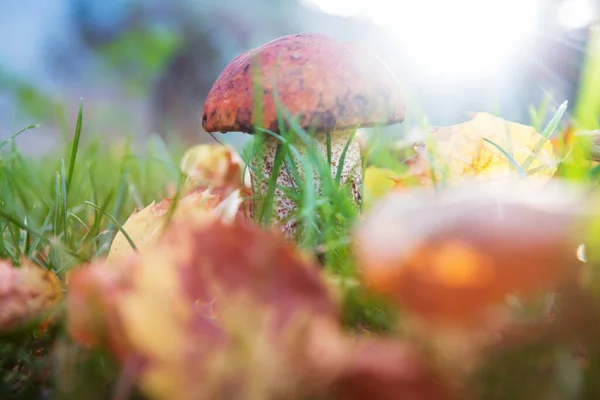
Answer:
(214, 310)
(384, 369)
(232, 311)
(377, 183)
(212, 165)
(453, 257)
(27, 292)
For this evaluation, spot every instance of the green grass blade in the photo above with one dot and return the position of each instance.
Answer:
(267, 205)
(38, 239)
(75, 146)
(115, 222)
(328, 139)
(340, 168)
(40, 235)
(15, 135)
(65, 209)
(56, 204)
(508, 157)
(548, 131)
(174, 203)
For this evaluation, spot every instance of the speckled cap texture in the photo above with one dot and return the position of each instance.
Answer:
(325, 83)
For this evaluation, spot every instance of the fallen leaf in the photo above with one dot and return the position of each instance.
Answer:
(452, 257)
(93, 292)
(27, 292)
(215, 310)
(378, 182)
(458, 154)
(212, 165)
(144, 227)
(461, 153)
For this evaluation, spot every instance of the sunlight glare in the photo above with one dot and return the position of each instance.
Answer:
(573, 14)
(450, 38)
(342, 8)
(461, 37)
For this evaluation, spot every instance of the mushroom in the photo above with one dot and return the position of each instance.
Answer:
(329, 87)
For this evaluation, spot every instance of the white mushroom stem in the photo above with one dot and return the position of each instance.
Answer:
(283, 206)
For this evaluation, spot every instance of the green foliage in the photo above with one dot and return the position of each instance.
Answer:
(74, 203)
(587, 110)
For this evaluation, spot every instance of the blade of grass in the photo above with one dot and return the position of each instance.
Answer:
(116, 223)
(174, 203)
(41, 236)
(38, 239)
(99, 214)
(508, 157)
(75, 146)
(56, 204)
(65, 209)
(16, 134)
(121, 193)
(340, 168)
(267, 205)
(548, 131)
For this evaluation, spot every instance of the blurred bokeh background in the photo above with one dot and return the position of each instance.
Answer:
(144, 67)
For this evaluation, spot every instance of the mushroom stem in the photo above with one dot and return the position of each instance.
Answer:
(283, 206)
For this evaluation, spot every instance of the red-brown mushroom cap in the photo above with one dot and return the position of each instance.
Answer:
(327, 84)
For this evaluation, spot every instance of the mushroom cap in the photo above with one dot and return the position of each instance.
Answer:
(325, 83)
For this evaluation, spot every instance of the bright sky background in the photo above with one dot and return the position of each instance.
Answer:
(458, 37)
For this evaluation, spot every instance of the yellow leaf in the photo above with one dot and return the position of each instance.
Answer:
(144, 227)
(377, 183)
(466, 155)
